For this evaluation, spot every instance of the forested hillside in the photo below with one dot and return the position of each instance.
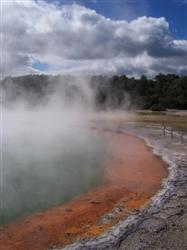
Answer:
(162, 92)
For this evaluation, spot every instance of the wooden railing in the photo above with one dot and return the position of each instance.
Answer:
(173, 132)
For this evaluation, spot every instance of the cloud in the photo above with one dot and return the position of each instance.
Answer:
(75, 39)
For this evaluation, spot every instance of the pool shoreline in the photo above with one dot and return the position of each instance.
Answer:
(158, 224)
(87, 216)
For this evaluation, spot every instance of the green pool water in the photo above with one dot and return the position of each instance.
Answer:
(41, 170)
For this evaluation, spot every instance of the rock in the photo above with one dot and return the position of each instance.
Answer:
(153, 225)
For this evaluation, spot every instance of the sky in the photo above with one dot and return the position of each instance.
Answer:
(132, 37)
(175, 11)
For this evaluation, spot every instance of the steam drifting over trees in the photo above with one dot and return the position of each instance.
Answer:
(118, 91)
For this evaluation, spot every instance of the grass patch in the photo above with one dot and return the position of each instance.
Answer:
(178, 122)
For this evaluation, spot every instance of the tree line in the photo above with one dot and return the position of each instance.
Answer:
(110, 92)
(160, 93)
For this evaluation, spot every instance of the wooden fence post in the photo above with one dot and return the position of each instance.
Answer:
(182, 140)
(171, 133)
(164, 130)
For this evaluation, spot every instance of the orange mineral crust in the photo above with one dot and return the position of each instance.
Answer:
(133, 175)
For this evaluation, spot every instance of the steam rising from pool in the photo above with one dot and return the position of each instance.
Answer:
(49, 154)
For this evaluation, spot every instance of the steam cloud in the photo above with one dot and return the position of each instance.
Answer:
(48, 154)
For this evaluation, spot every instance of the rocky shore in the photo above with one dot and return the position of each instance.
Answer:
(165, 226)
(161, 224)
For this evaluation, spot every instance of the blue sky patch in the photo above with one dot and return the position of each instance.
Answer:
(41, 66)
